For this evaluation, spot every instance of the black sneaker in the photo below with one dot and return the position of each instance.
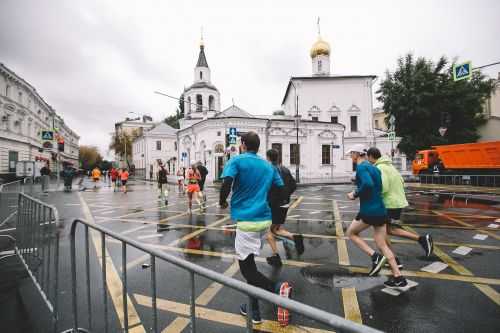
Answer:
(378, 262)
(299, 243)
(274, 260)
(400, 265)
(396, 282)
(427, 244)
(256, 319)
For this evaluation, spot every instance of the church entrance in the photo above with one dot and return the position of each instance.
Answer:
(219, 166)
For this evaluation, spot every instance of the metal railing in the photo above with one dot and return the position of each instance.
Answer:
(8, 200)
(37, 245)
(470, 180)
(331, 320)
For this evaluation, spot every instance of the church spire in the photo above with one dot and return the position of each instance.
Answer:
(202, 60)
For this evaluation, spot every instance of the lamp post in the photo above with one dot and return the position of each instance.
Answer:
(297, 159)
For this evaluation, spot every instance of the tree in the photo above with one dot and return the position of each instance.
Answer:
(173, 120)
(423, 97)
(121, 142)
(89, 157)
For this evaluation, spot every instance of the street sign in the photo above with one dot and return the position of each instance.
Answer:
(47, 145)
(462, 71)
(392, 136)
(47, 135)
(232, 140)
(233, 132)
(335, 146)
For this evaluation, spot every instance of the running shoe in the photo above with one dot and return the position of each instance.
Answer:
(396, 282)
(274, 260)
(400, 265)
(256, 319)
(378, 262)
(299, 243)
(285, 290)
(427, 244)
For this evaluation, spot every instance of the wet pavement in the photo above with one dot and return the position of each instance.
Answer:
(330, 275)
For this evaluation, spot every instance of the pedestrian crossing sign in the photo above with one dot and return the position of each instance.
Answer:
(392, 136)
(462, 71)
(47, 135)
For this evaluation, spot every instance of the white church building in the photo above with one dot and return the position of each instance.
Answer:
(322, 116)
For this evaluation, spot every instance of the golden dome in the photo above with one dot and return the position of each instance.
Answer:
(320, 47)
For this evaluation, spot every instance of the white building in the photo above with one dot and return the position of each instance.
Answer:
(334, 112)
(156, 145)
(132, 128)
(23, 116)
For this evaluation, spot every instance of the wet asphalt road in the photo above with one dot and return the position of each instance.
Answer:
(464, 297)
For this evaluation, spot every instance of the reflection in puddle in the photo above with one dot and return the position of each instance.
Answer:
(338, 277)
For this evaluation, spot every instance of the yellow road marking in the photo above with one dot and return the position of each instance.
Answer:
(489, 233)
(349, 297)
(177, 326)
(208, 294)
(296, 202)
(222, 317)
(113, 281)
(197, 232)
(485, 289)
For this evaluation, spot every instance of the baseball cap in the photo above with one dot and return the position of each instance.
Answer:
(357, 148)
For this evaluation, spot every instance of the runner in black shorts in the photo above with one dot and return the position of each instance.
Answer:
(279, 202)
(203, 173)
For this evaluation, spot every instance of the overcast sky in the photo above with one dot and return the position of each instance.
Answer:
(94, 60)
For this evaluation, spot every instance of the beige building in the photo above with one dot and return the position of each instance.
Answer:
(491, 130)
(24, 114)
(379, 119)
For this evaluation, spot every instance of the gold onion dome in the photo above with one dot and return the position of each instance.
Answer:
(320, 47)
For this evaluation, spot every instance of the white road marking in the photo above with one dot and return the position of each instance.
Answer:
(435, 267)
(396, 292)
(480, 237)
(150, 236)
(462, 250)
(493, 226)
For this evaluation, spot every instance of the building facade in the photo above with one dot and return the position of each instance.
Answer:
(132, 128)
(491, 130)
(24, 114)
(155, 146)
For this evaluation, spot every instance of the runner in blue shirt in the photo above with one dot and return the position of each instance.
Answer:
(251, 177)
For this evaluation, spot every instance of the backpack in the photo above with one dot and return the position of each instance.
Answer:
(162, 176)
(288, 180)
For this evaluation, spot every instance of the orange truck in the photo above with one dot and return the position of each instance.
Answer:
(481, 158)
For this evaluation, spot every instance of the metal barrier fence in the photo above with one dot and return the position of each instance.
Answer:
(37, 245)
(471, 180)
(8, 200)
(331, 320)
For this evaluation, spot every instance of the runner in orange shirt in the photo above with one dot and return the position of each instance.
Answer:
(124, 179)
(193, 188)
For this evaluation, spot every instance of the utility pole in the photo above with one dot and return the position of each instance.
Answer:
(297, 150)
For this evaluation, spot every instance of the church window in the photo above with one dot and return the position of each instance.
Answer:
(314, 118)
(319, 66)
(325, 154)
(218, 133)
(199, 103)
(201, 75)
(158, 145)
(354, 123)
(7, 91)
(334, 120)
(279, 148)
(20, 98)
(294, 154)
(376, 123)
(175, 146)
(211, 103)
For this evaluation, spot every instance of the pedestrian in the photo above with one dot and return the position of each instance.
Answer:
(162, 184)
(124, 179)
(114, 178)
(180, 180)
(250, 178)
(96, 176)
(279, 200)
(372, 213)
(193, 188)
(203, 173)
(45, 174)
(393, 195)
(109, 177)
(67, 175)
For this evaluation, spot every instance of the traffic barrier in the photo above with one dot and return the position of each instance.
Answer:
(37, 246)
(8, 200)
(469, 180)
(101, 233)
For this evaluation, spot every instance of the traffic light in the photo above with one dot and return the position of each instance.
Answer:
(60, 144)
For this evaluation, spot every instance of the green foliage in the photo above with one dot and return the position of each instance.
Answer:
(89, 157)
(423, 97)
(173, 120)
(121, 142)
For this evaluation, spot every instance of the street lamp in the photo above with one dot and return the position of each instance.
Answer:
(297, 159)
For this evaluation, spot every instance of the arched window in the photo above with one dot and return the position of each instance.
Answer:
(189, 104)
(201, 75)
(211, 103)
(319, 65)
(199, 103)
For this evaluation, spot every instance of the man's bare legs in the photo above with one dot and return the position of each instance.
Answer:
(353, 232)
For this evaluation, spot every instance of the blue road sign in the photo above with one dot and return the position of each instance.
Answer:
(47, 135)
(462, 71)
(232, 140)
(233, 132)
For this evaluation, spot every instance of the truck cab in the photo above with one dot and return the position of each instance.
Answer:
(425, 161)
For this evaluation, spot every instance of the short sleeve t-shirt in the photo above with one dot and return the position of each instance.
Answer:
(252, 179)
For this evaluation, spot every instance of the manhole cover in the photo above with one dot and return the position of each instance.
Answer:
(333, 276)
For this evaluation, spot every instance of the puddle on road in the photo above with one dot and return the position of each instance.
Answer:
(338, 277)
